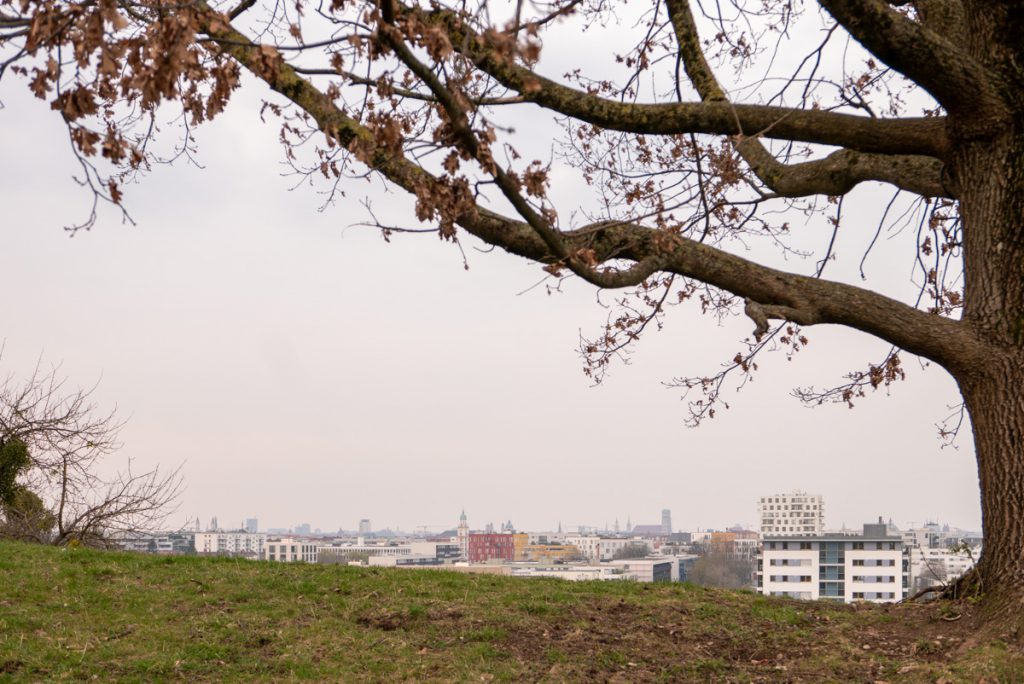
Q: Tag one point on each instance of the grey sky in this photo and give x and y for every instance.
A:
(305, 371)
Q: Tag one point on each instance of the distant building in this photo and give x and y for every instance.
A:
(175, 543)
(873, 566)
(462, 535)
(404, 561)
(519, 542)
(546, 537)
(364, 526)
(252, 525)
(681, 538)
(931, 567)
(303, 530)
(739, 542)
(487, 546)
(550, 553)
(939, 554)
(595, 548)
(649, 569)
(666, 521)
(290, 551)
(796, 513)
(637, 570)
(933, 536)
(230, 543)
(361, 550)
(573, 573)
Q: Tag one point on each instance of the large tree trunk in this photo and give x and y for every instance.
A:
(996, 404)
(987, 168)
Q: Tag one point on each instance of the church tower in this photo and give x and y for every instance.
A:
(463, 536)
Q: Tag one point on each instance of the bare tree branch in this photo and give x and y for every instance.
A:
(64, 494)
(804, 300)
(920, 136)
(956, 80)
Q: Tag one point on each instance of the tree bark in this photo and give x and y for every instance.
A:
(988, 171)
(996, 405)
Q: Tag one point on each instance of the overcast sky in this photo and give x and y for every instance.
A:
(303, 370)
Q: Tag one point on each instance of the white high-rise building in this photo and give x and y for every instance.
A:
(796, 513)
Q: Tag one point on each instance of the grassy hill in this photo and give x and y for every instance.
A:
(77, 614)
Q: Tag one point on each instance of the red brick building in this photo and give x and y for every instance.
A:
(487, 546)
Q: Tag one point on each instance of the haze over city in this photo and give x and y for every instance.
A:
(304, 370)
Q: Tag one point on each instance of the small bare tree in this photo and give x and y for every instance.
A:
(61, 495)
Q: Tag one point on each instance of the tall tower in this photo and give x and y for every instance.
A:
(463, 536)
(666, 521)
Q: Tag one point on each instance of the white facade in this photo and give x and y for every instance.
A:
(796, 513)
(931, 567)
(157, 542)
(290, 551)
(573, 573)
(546, 537)
(233, 543)
(700, 536)
(419, 548)
(596, 549)
(835, 567)
(395, 561)
(665, 569)
(635, 569)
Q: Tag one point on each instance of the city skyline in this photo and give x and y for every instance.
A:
(225, 523)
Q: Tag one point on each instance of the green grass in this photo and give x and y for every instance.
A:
(78, 614)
